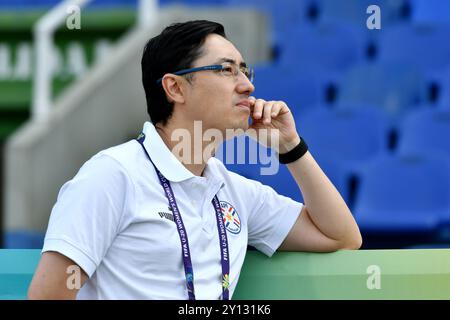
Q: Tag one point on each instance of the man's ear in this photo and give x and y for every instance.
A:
(173, 87)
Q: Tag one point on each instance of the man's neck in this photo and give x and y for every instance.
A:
(196, 160)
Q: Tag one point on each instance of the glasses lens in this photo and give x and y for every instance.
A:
(248, 72)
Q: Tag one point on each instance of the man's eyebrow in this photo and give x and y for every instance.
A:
(242, 64)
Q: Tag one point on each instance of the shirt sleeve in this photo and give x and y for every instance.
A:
(271, 218)
(88, 212)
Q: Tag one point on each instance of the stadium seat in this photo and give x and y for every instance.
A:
(393, 87)
(285, 184)
(354, 11)
(443, 85)
(282, 180)
(341, 140)
(347, 136)
(430, 12)
(425, 131)
(423, 46)
(331, 47)
(403, 194)
(283, 14)
(257, 163)
(300, 89)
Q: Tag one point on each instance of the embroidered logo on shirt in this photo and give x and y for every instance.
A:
(168, 216)
(230, 217)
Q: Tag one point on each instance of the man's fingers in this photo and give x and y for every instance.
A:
(276, 109)
(251, 101)
(267, 112)
(258, 108)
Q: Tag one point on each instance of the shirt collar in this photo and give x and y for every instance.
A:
(166, 162)
(162, 157)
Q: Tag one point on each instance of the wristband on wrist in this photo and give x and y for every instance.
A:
(294, 154)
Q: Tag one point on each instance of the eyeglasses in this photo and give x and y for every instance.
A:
(227, 69)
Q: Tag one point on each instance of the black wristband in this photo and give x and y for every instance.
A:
(294, 154)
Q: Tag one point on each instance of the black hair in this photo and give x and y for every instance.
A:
(176, 48)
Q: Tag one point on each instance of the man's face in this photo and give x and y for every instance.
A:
(217, 98)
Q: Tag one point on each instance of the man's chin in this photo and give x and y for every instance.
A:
(244, 125)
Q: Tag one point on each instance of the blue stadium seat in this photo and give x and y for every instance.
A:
(300, 89)
(283, 14)
(354, 11)
(282, 180)
(423, 46)
(347, 136)
(331, 47)
(404, 195)
(430, 12)
(425, 131)
(284, 183)
(341, 140)
(443, 83)
(393, 87)
(263, 167)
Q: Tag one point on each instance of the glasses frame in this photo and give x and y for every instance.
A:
(216, 67)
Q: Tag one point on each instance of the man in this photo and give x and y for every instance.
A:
(141, 221)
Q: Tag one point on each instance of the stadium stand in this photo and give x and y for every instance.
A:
(300, 88)
(430, 12)
(344, 12)
(443, 89)
(284, 14)
(402, 199)
(421, 45)
(341, 140)
(330, 47)
(393, 87)
(425, 131)
(350, 136)
(373, 105)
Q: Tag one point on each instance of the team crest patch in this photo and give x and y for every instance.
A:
(231, 218)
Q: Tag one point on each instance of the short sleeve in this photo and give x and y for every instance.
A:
(88, 212)
(271, 218)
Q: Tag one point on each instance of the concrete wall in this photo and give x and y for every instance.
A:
(105, 108)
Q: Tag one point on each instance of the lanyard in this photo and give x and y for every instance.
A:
(188, 269)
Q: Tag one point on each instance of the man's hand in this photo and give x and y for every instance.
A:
(325, 223)
(277, 119)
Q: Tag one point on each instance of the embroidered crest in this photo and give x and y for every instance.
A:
(231, 218)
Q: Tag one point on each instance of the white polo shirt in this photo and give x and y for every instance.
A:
(113, 220)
